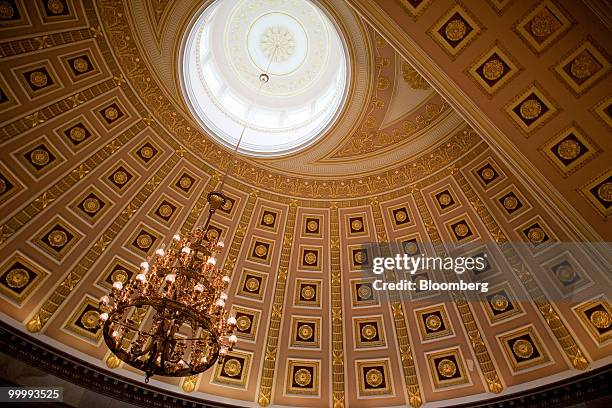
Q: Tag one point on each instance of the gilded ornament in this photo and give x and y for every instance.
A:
(568, 149)
(80, 65)
(185, 182)
(368, 331)
(261, 250)
(111, 113)
(3, 186)
(604, 192)
(268, 219)
(455, 30)
(312, 225)
(359, 257)
(536, 235)
(77, 134)
(6, 10)
(302, 377)
(277, 42)
(522, 348)
(144, 241)
(243, 323)
(308, 292)
(120, 177)
(487, 174)
(510, 203)
(356, 225)
(57, 238)
(461, 230)
(433, 322)
(401, 216)
(91, 205)
(541, 25)
(165, 210)
(374, 377)
(310, 258)
(305, 332)
(380, 42)
(90, 319)
(583, 66)
(146, 152)
(447, 368)
(600, 319)
(40, 157)
(413, 78)
(411, 248)
(113, 361)
(252, 284)
(55, 6)
(17, 278)
(190, 383)
(530, 109)
(39, 79)
(499, 302)
(493, 69)
(232, 367)
(445, 199)
(383, 83)
(566, 273)
(212, 234)
(120, 275)
(364, 292)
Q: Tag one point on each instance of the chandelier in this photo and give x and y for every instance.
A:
(189, 329)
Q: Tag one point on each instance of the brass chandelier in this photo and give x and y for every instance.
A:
(189, 329)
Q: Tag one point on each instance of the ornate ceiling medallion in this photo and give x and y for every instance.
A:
(302, 90)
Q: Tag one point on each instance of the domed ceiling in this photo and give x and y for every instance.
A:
(280, 70)
(106, 154)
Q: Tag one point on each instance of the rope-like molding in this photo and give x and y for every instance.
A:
(337, 339)
(467, 318)
(415, 398)
(271, 349)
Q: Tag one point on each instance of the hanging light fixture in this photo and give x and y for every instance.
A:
(189, 329)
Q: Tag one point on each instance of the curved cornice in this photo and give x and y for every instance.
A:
(590, 386)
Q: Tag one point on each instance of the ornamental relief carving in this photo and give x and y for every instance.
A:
(119, 35)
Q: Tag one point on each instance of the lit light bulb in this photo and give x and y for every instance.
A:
(186, 250)
(223, 296)
(231, 321)
(220, 244)
(204, 360)
(226, 279)
(141, 277)
(232, 339)
(198, 288)
(115, 334)
(223, 351)
(220, 303)
(103, 317)
(160, 252)
(118, 285)
(211, 261)
(176, 237)
(144, 265)
(104, 300)
(170, 278)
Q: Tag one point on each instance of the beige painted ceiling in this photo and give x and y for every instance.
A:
(101, 162)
